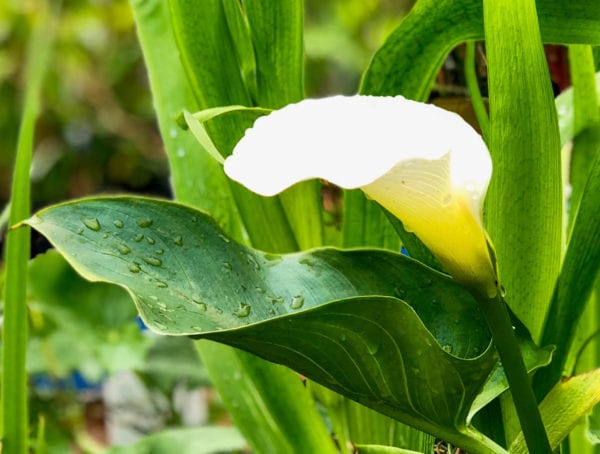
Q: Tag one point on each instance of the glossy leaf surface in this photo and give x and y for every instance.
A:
(363, 322)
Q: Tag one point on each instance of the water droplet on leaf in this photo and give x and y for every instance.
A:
(252, 261)
(372, 346)
(297, 302)
(139, 237)
(145, 222)
(123, 249)
(259, 290)
(307, 261)
(242, 311)
(92, 224)
(153, 261)
(118, 223)
(275, 299)
(134, 268)
(80, 231)
(161, 284)
(178, 240)
(160, 251)
(150, 240)
(228, 266)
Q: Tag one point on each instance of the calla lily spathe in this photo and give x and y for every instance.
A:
(424, 164)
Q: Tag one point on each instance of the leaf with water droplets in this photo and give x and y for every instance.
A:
(145, 222)
(92, 224)
(332, 315)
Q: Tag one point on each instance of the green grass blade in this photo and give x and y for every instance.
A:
(524, 202)
(586, 111)
(578, 273)
(196, 176)
(15, 326)
(474, 92)
(276, 30)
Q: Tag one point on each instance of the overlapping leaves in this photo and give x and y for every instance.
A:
(376, 326)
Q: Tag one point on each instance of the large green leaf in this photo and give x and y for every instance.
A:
(524, 202)
(369, 324)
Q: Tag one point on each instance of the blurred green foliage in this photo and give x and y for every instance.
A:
(97, 131)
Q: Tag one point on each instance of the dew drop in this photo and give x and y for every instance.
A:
(160, 251)
(150, 240)
(161, 284)
(228, 266)
(178, 240)
(105, 235)
(123, 249)
(173, 133)
(307, 261)
(80, 231)
(134, 268)
(92, 224)
(118, 223)
(297, 302)
(181, 153)
(447, 348)
(201, 306)
(145, 222)
(139, 237)
(242, 311)
(194, 219)
(259, 290)
(154, 297)
(252, 261)
(224, 238)
(153, 261)
(275, 299)
(372, 347)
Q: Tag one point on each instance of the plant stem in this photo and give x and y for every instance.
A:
(14, 331)
(505, 340)
(473, 87)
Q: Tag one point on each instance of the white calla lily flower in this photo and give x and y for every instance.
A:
(424, 164)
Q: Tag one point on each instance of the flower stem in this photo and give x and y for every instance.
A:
(498, 318)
